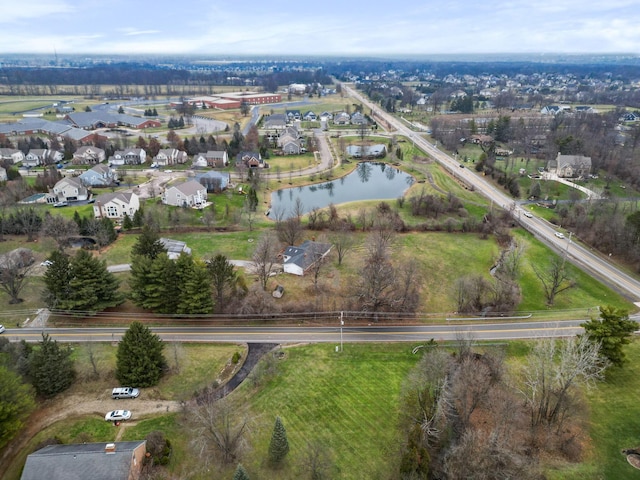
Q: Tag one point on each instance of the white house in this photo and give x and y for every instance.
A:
(69, 189)
(213, 158)
(88, 155)
(132, 156)
(299, 259)
(12, 155)
(100, 175)
(187, 194)
(116, 205)
(170, 156)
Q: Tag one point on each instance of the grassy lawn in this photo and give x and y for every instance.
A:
(348, 402)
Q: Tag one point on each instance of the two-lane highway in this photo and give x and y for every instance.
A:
(305, 334)
(588, 261)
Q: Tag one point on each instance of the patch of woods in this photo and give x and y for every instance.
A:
(469, 414)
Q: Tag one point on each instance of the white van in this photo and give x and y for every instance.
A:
(125, 392)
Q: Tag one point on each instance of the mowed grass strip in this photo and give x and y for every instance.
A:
(348, 402)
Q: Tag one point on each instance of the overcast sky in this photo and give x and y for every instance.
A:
(372, 27)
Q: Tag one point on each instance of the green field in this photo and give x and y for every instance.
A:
(348, 403)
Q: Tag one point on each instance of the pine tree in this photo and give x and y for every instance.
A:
(139, 360)
(279, 446)
(241, 473)
(127, 223)
(194, 287)
(91, 286)
(612, 331)
(56, 279)
(50, 368)
(16, 403)
(148, 243)
(161, 291)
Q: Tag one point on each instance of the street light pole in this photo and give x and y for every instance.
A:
(341, 325)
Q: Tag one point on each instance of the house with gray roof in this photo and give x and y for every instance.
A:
(42, 156)
(88, 155)
(213, 159)
(11, 155)
(95, 461)
(275, 121)
(170, 156)
(188, 194)
(131, 156)
(297, 260)
(116, 205)
(69, 189)
(570, 166)
(174, 248)
(100, 175)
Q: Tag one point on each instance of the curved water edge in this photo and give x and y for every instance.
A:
(369, 181)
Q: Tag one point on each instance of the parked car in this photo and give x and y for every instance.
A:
(125, 392)
(559, 235)
(46, 263)
(2, 329)
(60, 204)
(117, 416)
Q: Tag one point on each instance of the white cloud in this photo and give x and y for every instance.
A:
(30, 9)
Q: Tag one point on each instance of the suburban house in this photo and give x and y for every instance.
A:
(359, 119)
(116, 205)
(342, 118)
(249, 160)
(170, 156)
(88, 155)
(132, 156)
(289, 146)
(98, 461)
(368, 151)
(174, 248)
(297, 260)
(213, 159)
(188, 194)
(100, 175)
(309, 116)
(292, 115)
(553, 109)
(570, 166)
(3, 174)
(214, 182)
(12, 155)
(275, 121)
(627, 117)
(41, 156)
(69, 189)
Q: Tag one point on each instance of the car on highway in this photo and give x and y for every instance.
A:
(117, 416)
(2, 329)
(528, 214)
(559, 234)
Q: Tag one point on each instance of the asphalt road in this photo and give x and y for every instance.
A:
(580, 256)
(305, 334)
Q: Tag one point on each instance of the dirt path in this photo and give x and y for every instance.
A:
(79, 405)
(70, 406)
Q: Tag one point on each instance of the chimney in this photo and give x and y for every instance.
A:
(110, 448)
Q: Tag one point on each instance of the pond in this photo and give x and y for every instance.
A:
(369, 181)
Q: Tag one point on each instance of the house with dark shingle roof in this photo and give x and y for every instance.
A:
(95, 461)
(570, 166)
(100, 175)
(116, 205)
(187, 194)
(298, 260)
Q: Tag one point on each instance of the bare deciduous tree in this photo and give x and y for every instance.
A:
(553, 369)
(217, 433)
(15, 269)
(265, 258)
(555, 279)
(59, 228)
(343, 241)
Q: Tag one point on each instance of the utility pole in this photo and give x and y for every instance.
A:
(341, 325)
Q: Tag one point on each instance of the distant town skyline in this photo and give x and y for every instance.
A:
(404, 27)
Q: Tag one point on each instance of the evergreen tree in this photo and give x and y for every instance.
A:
(56, 279)
(162, 290)
(91, 286)
(16, 403)
(613, 331)
(279, 446)
(241, 473)
(223, 277)
(148, 244)
(127, 223)
(194, 287)
(50, 368)
(138, 218)
(139, 279)
(139, 360)
(414, 463)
